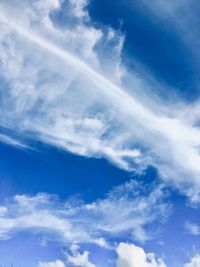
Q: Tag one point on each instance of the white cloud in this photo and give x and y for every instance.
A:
(11, 141)
(195, 261)
(193, 228)
(125, 211)
(57, 263)
(75, 259)
(130, 255)
(78, 259)
(58, 87)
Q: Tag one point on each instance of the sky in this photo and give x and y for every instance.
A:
(99, 133)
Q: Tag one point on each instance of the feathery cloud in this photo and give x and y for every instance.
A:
(125, 211)
(56, 87)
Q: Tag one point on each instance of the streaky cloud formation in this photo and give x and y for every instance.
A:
(125, 211)
(70, 82)
(45, 91)
(12, 141)
(182, 16)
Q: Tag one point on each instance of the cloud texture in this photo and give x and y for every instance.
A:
(60, 86)
(130, 255)
(195, 261)
(125, 211)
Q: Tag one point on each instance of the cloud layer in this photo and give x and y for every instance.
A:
(63, 82)
(125, 211)
(62, 93)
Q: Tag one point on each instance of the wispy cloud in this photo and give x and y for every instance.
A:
(56, 87)
(182, 19)
(193, 228)
(125, 211)
(11, 141)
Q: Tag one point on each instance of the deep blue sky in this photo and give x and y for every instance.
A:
(57, 172)
(148, 39)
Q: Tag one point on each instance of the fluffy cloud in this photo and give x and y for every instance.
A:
(60, 84)
(57, 263)
(195, 262)
(125, 211)
(78, 259)
(130, 255)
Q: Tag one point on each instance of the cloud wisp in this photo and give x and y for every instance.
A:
(126, 211)
(192, 228)
(51, 94)
(12, 141)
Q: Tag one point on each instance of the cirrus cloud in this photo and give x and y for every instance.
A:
(125, 211)
(59, 85)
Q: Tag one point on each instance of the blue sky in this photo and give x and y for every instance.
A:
(99, 133)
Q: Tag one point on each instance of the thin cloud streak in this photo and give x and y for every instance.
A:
(11, 141)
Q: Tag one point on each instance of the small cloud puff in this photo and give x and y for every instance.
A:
(79, 259)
